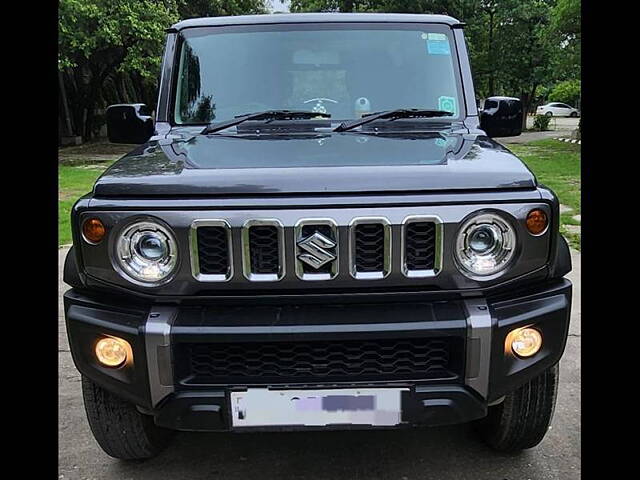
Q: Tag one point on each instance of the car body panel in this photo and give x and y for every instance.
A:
(314, 163)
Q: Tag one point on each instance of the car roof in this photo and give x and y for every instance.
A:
(313, 18)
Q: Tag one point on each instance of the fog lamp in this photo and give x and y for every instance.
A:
(113, 351)
(524, 342)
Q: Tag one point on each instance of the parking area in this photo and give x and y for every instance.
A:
(560, 124)
(437, 453)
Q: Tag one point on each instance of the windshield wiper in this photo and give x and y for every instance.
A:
(266, 115)
(391, 115)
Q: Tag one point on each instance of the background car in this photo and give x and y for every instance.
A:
(557, 109)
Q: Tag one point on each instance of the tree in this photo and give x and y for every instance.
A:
(566, 92)
(564, 35)
(219, 8)
(98, 38)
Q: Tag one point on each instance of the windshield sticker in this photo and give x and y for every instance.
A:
(448, 104)
(438, 44)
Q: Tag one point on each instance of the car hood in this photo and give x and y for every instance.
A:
(349, 162)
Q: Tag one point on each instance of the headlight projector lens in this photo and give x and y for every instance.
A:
(147, 252)
(485, 245)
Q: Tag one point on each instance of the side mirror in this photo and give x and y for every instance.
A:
(129, 123)
(501, 117)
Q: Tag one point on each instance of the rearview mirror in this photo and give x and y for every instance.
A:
(501, 117)
(129, 123)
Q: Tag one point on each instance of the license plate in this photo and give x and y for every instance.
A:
(262, 407)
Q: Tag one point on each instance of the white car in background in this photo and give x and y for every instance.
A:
(557, 110)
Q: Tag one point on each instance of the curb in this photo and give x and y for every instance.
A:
(568, 140)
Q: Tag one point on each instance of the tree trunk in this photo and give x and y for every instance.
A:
(65, 106)
(492, 70)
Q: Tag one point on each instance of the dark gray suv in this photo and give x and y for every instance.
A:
(317, 231)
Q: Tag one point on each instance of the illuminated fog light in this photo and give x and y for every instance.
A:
(525, 342)
(113, 351)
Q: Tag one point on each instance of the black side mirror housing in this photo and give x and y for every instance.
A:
(501, 117)
(129, 123)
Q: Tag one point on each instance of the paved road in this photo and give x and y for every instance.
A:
(560, 127)
(438, 453)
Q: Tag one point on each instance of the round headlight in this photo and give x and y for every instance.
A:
(485, 245)
(147, 252)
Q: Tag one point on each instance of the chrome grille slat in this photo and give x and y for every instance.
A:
(263, 258)
(369, 248)
(211, 252)
(421, 246)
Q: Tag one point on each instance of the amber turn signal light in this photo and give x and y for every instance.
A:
(93, 230)
(537, 221)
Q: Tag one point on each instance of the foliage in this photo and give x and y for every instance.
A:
(566, 92)
(110, 51)
(541, 122)
(564, 37)
(118, 34)
(99, 38)
(219, 8)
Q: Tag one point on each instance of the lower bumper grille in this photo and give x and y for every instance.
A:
(320, 361)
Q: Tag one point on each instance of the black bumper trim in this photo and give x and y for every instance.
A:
(421, 406)
(547, 306)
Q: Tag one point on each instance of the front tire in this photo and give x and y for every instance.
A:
(119, 428)
(521, 421)
(549, 114)
(573, 114)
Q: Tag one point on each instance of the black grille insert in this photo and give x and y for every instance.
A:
(318, 361)
(263, 249)
(420, 245)
(369, 247)
(213, 250)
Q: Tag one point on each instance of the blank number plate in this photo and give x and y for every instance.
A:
(261, 407)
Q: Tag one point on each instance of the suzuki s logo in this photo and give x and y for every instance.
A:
(318, 250)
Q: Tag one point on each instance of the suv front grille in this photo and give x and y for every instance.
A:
(314, 249)
(320, 361)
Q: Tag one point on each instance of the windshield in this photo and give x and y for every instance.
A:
(345, 70)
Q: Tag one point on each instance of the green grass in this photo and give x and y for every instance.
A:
(74, 182)
(556, 165)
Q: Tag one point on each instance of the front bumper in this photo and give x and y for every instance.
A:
(159, 383)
